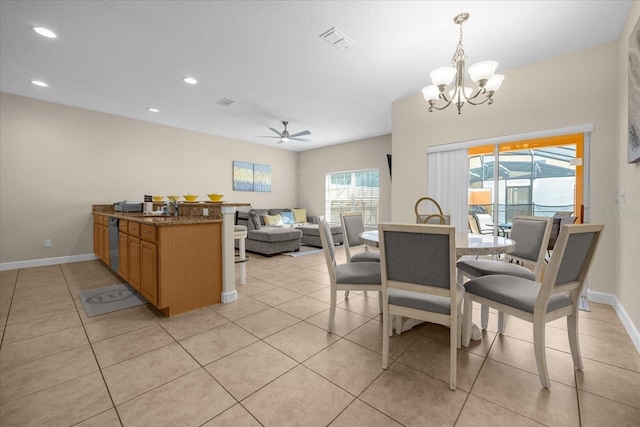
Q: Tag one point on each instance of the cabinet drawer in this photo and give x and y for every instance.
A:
(123, 226)
(134, 229)
(148, 232)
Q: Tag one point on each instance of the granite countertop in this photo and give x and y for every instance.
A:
(160, 219)
(191, 213)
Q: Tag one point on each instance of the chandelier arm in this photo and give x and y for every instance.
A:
(433, 107)
(480, 103)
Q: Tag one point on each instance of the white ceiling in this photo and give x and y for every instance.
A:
(121, 57)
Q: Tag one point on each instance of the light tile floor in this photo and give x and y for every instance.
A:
(267, 360)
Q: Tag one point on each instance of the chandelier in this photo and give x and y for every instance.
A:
(482, 73)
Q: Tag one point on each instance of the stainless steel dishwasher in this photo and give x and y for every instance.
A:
(113, 244)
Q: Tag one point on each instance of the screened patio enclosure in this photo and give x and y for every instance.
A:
(538, 182)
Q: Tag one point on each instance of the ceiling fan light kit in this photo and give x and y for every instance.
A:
(286, 137)
(482, 73)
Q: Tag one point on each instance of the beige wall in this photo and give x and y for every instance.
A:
(573, 89)
(56, 161)
(628, 248)
(363, 154)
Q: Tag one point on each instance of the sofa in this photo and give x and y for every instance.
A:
(273, 231)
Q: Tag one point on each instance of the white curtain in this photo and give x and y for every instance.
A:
(448, 183)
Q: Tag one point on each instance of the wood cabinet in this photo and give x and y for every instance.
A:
(149, 271)
(101, 237)
(177, 267)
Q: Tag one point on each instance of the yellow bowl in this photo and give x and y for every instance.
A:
(158, 198)
(215, 197)
(173, 197)
(190, 197)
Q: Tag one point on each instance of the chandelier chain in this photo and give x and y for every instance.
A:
(459, 53)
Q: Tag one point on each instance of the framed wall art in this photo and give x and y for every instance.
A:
(242, 176)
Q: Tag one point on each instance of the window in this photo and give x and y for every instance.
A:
(353, 191)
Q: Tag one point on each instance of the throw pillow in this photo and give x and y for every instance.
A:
(287, 218)
(299, 215)
(272, 220)
(253, 217)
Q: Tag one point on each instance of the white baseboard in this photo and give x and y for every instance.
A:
(45, 261)
(228, 297)
(610, 299)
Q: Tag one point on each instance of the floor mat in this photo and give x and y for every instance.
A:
(109, 298)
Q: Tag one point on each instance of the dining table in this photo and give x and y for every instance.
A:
(467, 244)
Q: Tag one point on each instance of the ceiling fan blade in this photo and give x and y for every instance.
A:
(280, 142)
(300, 139)
(304, 132)
(276, 132)
(267, 136)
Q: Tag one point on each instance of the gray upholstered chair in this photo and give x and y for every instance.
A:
(557, 296)
(531, 235)
(361, 276)
(352, 226)
(419, 281)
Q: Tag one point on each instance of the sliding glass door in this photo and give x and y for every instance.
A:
(538, 177)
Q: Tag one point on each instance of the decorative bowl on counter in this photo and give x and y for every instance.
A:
(190, 197)
(215, 197)
(158, 198)
(173, 197)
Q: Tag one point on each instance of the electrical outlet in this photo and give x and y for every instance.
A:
(47, 243)
(205, 211)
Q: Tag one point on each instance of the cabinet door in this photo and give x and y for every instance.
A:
(123, 253)
(97, 236)
(105, 245)
(134, 263)
(149, 271)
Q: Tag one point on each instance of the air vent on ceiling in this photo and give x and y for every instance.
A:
(225, 102)
(337, 39)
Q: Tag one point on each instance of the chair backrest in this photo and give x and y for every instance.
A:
(531, 234)
(420, 258)
(328, 247)
(559, 219)
(483, 221)
(570, 262)
(352, 226)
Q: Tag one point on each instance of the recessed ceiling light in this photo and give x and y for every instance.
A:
(39, 83)
(45, 32)
(153, 110)
(190, 80)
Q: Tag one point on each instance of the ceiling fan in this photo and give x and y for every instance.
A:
(285, 136)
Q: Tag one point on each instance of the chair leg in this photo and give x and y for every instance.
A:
(453, 356)
(541, 358)
(574, 340)
(484, 316)
(380, 300)
(502, 322)
(386, 331)
(466, 321)
(332, 309)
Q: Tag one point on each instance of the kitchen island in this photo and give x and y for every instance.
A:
(175, 262)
